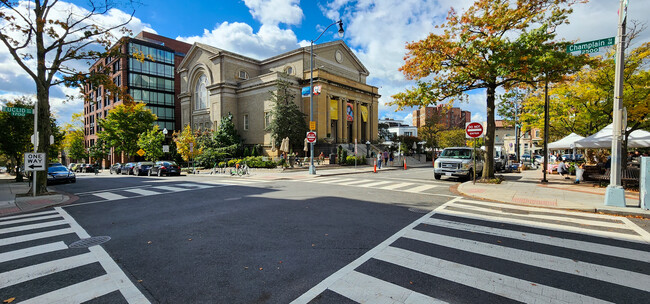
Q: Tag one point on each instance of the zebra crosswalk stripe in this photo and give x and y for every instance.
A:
(18, 276)
(34, 236)
(513, 288)
(29, 219)
(77, 293)
(25, 215)
(367, 289)
(109, 196)
(420, 188)
(141, 192)
(395, 186)
(31, 251)
(32, 226)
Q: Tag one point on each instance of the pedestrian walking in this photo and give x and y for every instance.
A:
(385, 157)
(379, 160)
(390, 157)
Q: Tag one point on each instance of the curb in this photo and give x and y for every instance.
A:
(454, 189)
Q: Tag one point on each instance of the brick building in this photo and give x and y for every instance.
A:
(452, 118)
(153, 81)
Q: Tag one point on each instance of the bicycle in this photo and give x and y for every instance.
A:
(218, 169)
(240, 170)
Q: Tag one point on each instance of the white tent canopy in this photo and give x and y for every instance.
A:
(603, 139)
(567, 142)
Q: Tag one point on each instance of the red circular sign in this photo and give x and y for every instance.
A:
(474, 129)
(311, 137)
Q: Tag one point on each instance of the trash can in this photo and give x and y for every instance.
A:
(332, 158)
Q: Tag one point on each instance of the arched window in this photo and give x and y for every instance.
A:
(201, 93)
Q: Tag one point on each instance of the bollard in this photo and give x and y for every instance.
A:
(644, 184)
(375, 166)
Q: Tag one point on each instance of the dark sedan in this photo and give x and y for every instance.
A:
(127, 169)
(60, 174)
(116, 168)
(161, 168)
(142, 168)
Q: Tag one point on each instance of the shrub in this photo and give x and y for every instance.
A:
(361, 160)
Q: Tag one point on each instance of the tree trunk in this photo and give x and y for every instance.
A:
(488, 169)
(42, 101)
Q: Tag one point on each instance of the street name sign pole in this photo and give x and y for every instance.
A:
(473, 130)
(615, 194)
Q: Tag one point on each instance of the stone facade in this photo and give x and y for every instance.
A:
(241, 86)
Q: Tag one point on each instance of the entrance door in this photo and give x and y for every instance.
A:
(350, 138)
(363, 132)
(334, 130)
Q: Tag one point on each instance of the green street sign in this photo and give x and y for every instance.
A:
(590, 46)
(17, 111)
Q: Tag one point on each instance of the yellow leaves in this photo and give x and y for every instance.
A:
(183, 141)
(9, 300)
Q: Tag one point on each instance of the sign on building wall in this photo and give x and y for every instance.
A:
(305, 92)
(364, 113)
(350, 112)
(334, 109)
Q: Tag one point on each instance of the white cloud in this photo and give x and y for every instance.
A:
(239, 38)
(478, 117)
(408, 119)
(14, 81)
(273, 12)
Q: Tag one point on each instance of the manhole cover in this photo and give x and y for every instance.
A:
(419, 210)
(89, 242)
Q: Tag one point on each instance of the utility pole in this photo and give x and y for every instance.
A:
(615, 194)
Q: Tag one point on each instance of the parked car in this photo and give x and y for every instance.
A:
(458, 162)
(142, 168)
(570, 158)
(116, 168)
(71, 166)
(165, 167)
(88, 168)
(60, 174)
(127, 169)
(3, 169)
(76, 167)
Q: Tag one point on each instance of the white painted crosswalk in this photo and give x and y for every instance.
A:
(35, 247)
(391, 185)
(472, 251)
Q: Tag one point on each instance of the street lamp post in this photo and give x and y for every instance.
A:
(367, 149)
(312, 169)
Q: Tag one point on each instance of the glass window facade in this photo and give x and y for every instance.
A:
(152, 81)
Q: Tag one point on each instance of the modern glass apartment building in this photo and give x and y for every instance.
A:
(152, 80)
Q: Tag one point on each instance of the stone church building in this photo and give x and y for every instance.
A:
(216, 82)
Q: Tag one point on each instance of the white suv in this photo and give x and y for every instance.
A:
(458, 162)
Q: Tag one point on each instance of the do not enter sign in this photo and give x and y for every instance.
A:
(311, 137)
(473, 130)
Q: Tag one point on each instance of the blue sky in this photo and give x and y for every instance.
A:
(376, 30)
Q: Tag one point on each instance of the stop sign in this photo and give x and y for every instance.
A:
(311, 137)
(474, 129)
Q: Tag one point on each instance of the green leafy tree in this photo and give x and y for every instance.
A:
(286, 118)
(99, 150)
(123, 124)
(491, 45)
(452, 138)
(183, 141)
(223, 143)
(46, 45)
(151, 142)
(17, 131)
(73, 140)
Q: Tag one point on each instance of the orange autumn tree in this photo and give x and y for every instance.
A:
(491, 45)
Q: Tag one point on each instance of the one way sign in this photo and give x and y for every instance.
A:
(34, 161)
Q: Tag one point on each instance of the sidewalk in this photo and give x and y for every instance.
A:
(12, 201)
(526, 189)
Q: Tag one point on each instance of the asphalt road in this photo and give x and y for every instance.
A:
(349, 238)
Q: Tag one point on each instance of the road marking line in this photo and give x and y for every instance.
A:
(366, 289)
(113, 189)
(117, 276)
(320, 179)
(327, 282)
(197, 186)
(358, 181)
(374, 184)
(619, 225)
(26, 215)
(31, 251)
(544, 239)
(110, 196)
(644, 234)
(24, 274)
(32, 226)
(142, 192)
(170, 188)
(77, 293)
(538, 209)
(556, 227)
(510, 287)
(341, 181)
(560, 264)
(29, 219)
(34, 236)
(395, 186)
(419, 189)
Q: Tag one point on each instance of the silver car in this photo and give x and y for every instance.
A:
(458, 162)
